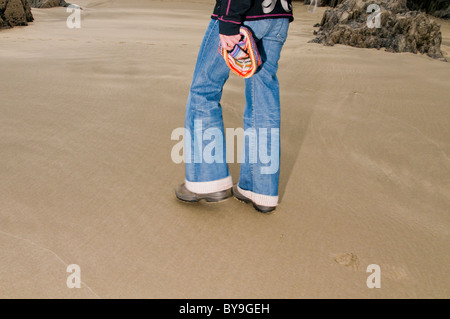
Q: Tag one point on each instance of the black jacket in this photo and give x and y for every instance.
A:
(231, 13)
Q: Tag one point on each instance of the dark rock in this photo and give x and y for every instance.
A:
(437, 8)
(48, 3)
(27, 8)
(400, 30)
(14, 13)
(3, 24)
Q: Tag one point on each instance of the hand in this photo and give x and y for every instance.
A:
(229, 41)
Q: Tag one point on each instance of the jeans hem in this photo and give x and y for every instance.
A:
(259, 199)
(209, 187)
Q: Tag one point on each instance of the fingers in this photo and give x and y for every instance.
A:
(229, 41)
(226, 43)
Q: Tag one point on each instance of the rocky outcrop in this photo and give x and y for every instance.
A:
(399, 30)
(48, 3)
(14, 13)
(437, 8)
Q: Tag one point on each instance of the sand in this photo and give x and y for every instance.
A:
(86, 175)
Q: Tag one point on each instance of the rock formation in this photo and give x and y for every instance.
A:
(14, 13)
(437, 8)
(48, 3)
(399, 29)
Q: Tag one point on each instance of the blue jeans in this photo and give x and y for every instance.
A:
(205, 154)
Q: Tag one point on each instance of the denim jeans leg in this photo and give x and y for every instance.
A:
(205, 153)
(259, 174)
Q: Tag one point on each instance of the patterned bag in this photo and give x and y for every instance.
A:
(244, 59)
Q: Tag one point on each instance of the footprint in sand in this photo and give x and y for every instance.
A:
(347, 260)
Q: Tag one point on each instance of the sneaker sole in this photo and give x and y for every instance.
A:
(206, 199)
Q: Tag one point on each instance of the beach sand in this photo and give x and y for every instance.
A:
(86, 175)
